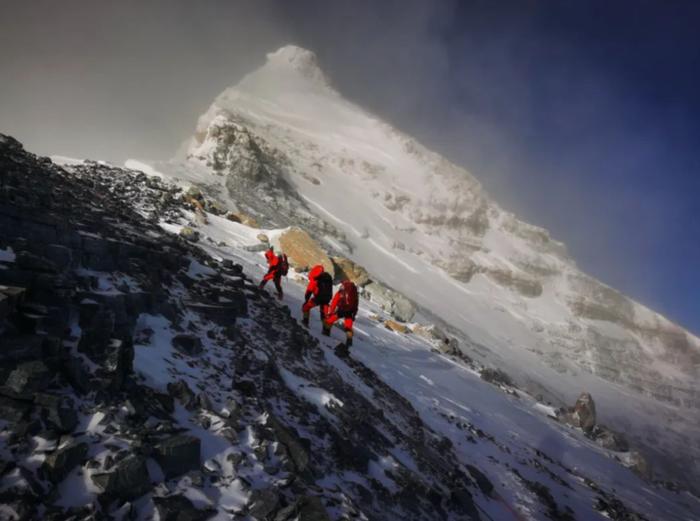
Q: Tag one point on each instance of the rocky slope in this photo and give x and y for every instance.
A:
(286, 148)
(91, 289)
(145, 376)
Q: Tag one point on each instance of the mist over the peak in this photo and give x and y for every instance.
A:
(581, 119)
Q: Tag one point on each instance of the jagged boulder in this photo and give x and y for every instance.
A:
(263, 502)
(145, 401)
(182, 392)
(256, 248)
(495, 376)
(178, 455)
(430, 331)
(581, 415)
(189, 234)
(440, 340)
(214, 207)
(59, 463)
(117, 363)
(194, 192)
(584, 412)
(179, 508)
(128, 480)
(303, 251)
(297, 452)
(610, 439)
(57, 411)
(187, 344)
(240, 217)
(345, 269)
(390, 301)
(245, 387)
(28, 378)
(396, 326)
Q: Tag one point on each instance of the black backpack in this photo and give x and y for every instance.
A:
(324, 282)
(283, 264)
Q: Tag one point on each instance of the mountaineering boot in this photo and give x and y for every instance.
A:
(326, 329)
(305, 319)
(348, 336)
(341, 350)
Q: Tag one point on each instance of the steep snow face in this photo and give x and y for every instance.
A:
(286, 147)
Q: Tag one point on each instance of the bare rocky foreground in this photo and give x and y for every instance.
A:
(89, 283)
(68, 348)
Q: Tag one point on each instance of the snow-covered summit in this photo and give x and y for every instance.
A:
(301, 60)
(290, 77)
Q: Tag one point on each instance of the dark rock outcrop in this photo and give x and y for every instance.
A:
(263, 502)
(581, 415)
(187, 344)
(178, 455)
(496, 376)
(610, 439)
(308, 508)
(128, 480)
(28, 378)
(182, 392)
(297, 451)
(57, 411)
(179, 508)
(58, 464)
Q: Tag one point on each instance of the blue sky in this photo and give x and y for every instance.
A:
(582, 117)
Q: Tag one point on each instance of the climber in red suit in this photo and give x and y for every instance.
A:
(344, 305)
(277, 266)
(318, 293)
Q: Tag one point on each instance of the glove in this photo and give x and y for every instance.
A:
(307, 296)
